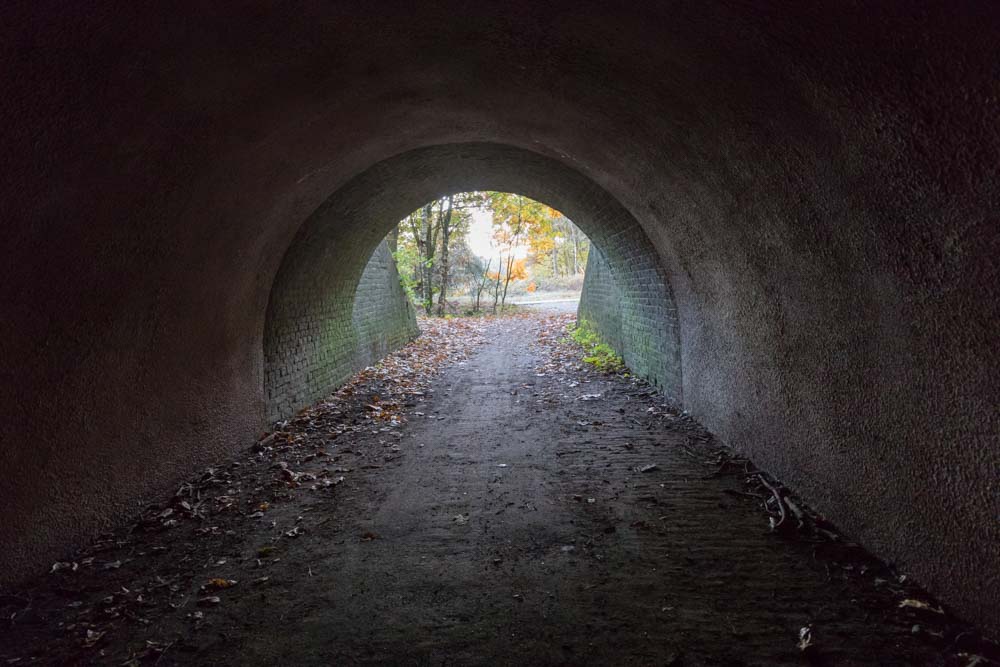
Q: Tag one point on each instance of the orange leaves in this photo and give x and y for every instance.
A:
(218, 584)
(518, 270)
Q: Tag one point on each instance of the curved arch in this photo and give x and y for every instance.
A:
(824, 200)
(309, 342)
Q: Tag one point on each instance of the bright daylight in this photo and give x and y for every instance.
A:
(489, 252)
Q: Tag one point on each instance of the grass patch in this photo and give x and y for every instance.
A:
(596, 352)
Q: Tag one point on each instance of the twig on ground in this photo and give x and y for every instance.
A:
(778, 498)
(800, 516)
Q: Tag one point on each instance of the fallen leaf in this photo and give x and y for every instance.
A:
(805, 638)
(92, 638)
(918, 604)
(218, 584)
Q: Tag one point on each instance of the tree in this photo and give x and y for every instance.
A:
(418, 246)
(481, 284)
(556, 246)
(435, 262)
(513, 216)
(454, 217)
(425, 244)
(430, 248)
(445, 240)
(496, 285)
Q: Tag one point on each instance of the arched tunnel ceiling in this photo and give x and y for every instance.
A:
(313, 291)
(820, 184)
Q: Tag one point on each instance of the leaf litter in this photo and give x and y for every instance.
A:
(154, 567)
(174, 569)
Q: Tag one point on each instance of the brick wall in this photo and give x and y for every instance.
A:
(634, 312)
(601, 301)
(320, 333)
(313, 340)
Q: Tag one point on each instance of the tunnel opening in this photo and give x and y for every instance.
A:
(466, 253)
(334, 277)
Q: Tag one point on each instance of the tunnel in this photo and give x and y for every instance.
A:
(797, 205)
(304, 317)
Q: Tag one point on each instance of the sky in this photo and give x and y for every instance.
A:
(480, 237)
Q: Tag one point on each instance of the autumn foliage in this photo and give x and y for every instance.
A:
(531, 241)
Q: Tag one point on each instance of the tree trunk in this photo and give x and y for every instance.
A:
(418, 267)
(576, 251)
(482, 284)
(506, 282)
(513, 245)
(428, 260)
(445, 238)
(496, 288)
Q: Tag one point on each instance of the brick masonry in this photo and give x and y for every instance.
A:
(312, 339)
(319, 336)
(635, 314)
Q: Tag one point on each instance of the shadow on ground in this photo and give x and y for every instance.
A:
(482, 497)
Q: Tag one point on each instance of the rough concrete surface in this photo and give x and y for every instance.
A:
(816, 185)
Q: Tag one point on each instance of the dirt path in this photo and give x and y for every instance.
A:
(506, 522)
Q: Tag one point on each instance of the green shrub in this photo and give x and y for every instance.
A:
(596, 352)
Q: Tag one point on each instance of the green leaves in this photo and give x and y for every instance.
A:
(598, 353)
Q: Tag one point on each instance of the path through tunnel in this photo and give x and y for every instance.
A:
(481, 495)
(310, 343)
(797, 208)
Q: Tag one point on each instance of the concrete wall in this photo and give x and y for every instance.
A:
(323, 325)
(818, 184)
(640, 328)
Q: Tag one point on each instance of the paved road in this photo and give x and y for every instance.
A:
(550, 306)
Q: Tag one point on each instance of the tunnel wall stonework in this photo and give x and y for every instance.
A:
(640, 327)
(641, 330)
(316, 339)
(309, 342)
(818, 184)
(601, 301)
